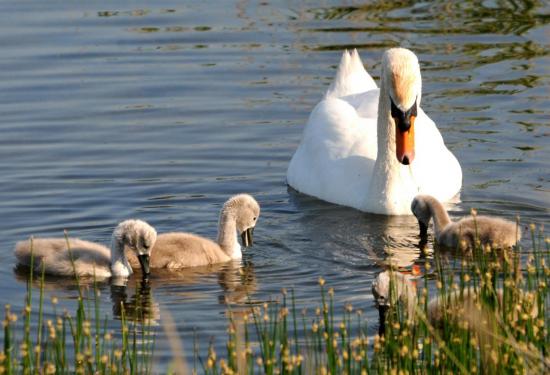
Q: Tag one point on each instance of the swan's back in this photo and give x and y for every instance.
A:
(493, 231)
(89, 257)
(351, 77)
(181, 250)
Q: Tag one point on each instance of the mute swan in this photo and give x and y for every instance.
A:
(374, 149)
(90, 258)
(181, 250)
(496, 232)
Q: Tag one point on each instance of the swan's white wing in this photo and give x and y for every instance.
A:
(335, 157)
(435, 168)
(364, 103)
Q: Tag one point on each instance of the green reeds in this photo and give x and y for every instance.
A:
(487, 313)
(67, 344)
(267, 340)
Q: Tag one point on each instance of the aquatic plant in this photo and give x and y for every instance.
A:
(487, 315)
(78, 343)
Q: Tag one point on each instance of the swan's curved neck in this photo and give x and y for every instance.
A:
(385, 128)
(227, 234)
(387, 169)
(119, 263)
(439, 214)
(392, 183)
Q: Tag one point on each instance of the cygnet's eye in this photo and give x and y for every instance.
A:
(254, 219)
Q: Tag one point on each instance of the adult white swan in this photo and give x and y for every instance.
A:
(374, 149)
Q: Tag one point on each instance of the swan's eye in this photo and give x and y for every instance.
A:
(254, 219)
(395, 111)
(403, 118)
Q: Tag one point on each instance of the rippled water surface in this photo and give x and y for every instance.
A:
(161, 111)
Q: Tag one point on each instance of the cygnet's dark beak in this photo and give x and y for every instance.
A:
(423, 229)
(247, 237)
(144, 262)
(382, 312)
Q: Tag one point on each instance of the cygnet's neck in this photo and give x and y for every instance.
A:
(439, 214)
(119, 263)
(227, 233)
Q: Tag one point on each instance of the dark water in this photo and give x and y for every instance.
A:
(161, 111)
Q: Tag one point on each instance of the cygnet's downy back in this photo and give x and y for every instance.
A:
(492, 231)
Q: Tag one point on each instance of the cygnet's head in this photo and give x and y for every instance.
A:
(381, 289)
(421, 209)
(245, 211)
(401, 77)
(139, 237)
(389, 287)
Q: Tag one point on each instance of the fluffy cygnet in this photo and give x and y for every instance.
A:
(181, 250)
(404, 290)
(89, 258)
(496, 232)
(464, 304)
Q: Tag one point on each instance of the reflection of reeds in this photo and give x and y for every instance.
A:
(72, 344)
(488, 315)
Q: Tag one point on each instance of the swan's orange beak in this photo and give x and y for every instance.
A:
(404, 142)
(404, 132)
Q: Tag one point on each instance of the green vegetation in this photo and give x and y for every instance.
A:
(488, 315)
(68, 344)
